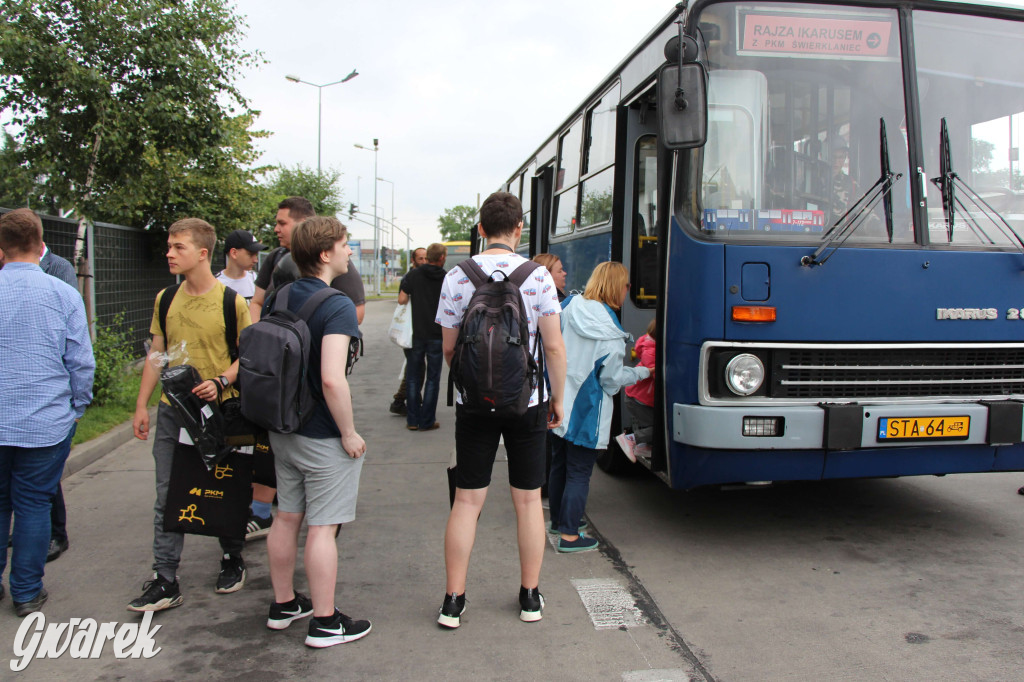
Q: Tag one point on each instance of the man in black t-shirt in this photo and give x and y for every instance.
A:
(423, 286)
(419, 257)
(278, 268)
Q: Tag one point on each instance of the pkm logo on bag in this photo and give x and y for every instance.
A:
(221, 472)
(196, 491)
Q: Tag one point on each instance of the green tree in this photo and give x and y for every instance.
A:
(321, 188)
(457, 223)
(127, 111)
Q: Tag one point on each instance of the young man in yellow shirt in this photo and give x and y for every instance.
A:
(195, 317)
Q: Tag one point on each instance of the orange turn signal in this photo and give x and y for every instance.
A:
(753, 313)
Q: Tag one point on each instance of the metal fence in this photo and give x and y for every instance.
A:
(130, 269)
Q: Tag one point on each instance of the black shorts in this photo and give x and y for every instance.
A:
(476, 442)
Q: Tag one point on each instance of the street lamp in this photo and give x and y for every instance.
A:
(376, 226)
(319, 106)
(393, 216)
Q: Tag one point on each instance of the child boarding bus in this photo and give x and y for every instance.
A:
(823, 205)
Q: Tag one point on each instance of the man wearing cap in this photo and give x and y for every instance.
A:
(241, 254)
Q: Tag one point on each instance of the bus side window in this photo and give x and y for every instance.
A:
(644, 263)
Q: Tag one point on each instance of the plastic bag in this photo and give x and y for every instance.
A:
(202, 420)
(400, 330)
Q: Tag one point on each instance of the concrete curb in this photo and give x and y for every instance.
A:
(85, 454)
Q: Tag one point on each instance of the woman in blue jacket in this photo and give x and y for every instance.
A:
(595, 346)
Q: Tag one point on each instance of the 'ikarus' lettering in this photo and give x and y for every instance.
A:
(966, 313)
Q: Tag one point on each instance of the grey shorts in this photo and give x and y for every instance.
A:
(315, 477)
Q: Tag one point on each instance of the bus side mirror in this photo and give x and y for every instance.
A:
(682, 106)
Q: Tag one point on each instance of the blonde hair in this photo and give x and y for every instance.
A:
(203, 234)
(548, 260)
(606, 282)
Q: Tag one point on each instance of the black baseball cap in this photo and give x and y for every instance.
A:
(242, 239)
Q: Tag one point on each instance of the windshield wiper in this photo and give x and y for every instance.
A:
(857, 214)
(948, 182)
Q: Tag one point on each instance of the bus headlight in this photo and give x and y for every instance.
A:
(744, 374)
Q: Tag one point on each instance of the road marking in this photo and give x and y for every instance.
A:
(664, 675)
(608, 603)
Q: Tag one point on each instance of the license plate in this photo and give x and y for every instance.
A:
(923, 428)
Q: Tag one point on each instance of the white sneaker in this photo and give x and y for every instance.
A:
(627, 442)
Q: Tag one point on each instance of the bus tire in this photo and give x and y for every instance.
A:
(613, 461)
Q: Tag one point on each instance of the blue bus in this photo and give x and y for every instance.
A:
(823, 207)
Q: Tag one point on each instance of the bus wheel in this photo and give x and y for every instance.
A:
(613, 461)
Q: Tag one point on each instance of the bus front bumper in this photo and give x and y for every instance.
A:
(848, 427)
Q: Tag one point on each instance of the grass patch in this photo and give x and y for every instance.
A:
(98, 419)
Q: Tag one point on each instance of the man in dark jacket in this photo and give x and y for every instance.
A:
(423, 286)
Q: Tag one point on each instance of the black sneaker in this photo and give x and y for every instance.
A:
(531, 603)
(257, 527)
(282, 615)
(232, 574)
(450, 615)
(338, 629)
(23, 608)
(157, 594)
(57, 547)
(398, 407)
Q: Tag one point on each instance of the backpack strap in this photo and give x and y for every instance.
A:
(519, 275)
(475, 273)
(230, 322)
(310, 306)
(165, 305)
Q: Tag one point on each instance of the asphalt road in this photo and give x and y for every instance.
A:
(905, 579)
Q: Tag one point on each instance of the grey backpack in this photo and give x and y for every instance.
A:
(273, 363)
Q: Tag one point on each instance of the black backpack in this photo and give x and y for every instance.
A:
(493, 366)
(273, 364)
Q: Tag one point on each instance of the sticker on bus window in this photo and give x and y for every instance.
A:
(764, 220)
(785, 34)
(727, 219)
(790, 220)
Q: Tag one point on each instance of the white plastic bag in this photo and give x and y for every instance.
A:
(400, 330)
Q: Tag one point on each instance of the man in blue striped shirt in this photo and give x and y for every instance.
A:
(46, 383)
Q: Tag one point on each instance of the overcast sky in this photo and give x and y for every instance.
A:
(457, 92)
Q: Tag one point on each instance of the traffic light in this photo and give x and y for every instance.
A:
(352, 210)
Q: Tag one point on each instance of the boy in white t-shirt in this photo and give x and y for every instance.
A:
(242, 251)
(476, 437)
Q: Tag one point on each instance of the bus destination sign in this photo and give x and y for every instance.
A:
(820, 36)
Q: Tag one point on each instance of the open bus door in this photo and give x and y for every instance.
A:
(540, 208)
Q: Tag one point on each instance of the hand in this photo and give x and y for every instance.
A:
(353, 445)
(555, 413)
(140, 424)
(208, 390)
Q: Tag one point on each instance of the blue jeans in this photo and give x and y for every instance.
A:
(28, 481)
(569, 483)
(420, 412)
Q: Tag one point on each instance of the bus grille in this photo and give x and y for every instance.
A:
(859, 373)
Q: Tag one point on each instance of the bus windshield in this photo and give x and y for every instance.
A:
(980, 93)
(795, 96)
